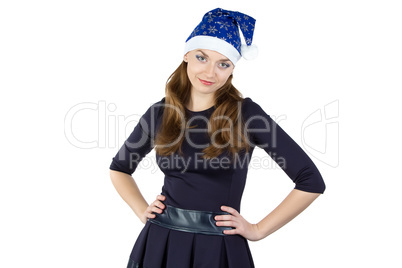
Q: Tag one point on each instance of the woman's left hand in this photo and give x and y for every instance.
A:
(242, 227)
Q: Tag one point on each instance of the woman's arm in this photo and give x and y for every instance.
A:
(309, 184)
(288, 209)
(129, 191)
(127, 159)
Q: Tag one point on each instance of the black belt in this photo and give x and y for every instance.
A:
(194, 221)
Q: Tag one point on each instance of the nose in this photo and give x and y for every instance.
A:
(210, 70)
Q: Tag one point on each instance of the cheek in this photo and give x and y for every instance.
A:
(194, 69)
(223, 77)
(190, 71)
(192, 74)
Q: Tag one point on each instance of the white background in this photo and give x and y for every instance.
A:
(58, 206)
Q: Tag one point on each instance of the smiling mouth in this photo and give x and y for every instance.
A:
(206, 82)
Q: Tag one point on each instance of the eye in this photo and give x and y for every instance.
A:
(200, 58)
(224, 65)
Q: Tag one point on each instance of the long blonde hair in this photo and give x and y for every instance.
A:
(227, 112)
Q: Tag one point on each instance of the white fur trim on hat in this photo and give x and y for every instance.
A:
(213, 43)
(249, 52)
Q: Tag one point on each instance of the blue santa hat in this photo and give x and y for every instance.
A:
(219, 31)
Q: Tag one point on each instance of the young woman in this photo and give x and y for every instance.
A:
(204, 134)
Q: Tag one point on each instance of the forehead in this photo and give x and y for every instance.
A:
(211, 54)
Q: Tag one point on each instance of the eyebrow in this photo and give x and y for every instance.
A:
(203, 53)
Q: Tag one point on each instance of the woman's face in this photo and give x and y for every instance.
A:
(207, 70)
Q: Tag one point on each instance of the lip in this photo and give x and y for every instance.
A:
(206, 82)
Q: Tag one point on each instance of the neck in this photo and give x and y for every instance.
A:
(200, 102)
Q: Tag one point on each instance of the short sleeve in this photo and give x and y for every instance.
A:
(139, 143)
(265, 133)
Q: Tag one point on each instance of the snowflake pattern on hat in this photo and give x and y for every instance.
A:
(225, 24)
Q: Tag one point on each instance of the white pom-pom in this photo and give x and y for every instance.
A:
(249, 52)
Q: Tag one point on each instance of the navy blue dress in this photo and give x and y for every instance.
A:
(194, 183)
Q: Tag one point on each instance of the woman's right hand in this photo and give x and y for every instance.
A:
(156, 206)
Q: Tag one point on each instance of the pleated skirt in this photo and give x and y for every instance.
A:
(160, 247)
